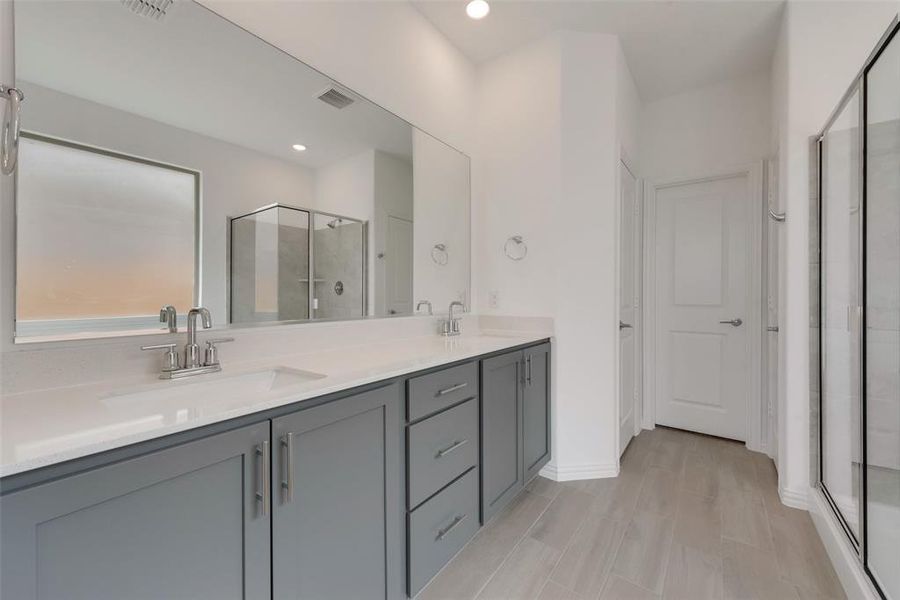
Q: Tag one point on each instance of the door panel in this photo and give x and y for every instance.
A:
(179, 523)
(399, 266)
(335, 536)
(839, 328)
(702, 278)
(501, 423)
(627, 313)
(536, 410)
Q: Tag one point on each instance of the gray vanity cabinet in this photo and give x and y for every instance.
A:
(337, 499)
(515, 423)
(536, 409)
(501, 431)
(184, 522)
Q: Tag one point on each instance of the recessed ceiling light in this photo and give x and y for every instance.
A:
(299, 147)
(478, 9)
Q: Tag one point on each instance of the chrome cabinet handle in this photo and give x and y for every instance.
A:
(262, 490)
(528, 369)
(452, 389)
(287, 465)
(9, 153)
(446, 531)
(451, 448)
(624, 325)
(733, 322)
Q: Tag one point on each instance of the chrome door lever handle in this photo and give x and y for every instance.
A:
(624, 325)
(733, 322)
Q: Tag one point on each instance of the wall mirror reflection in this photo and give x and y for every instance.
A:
(183, 161)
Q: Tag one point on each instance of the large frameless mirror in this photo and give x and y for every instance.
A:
(182, 161)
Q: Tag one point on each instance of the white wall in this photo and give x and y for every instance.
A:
(441, 188)
(822, 47)
(552, 116)
(707, 129)
(235, 180)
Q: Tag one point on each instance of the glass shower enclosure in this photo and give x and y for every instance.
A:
(289, 263)
(856, 315)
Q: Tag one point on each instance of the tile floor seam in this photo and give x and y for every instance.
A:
(511, 551)
(569, 544)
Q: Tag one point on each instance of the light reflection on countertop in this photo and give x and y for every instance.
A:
(41, 428)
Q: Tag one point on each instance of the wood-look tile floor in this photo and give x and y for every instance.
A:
(690, 517)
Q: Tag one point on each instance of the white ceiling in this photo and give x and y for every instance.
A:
(197, 71)
(670, 45)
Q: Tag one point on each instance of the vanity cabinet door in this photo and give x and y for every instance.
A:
(184, 522)
(536, 409)
(337, 505)
(501, 429)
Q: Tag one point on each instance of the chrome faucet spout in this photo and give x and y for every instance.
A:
(168, 316)
(191, 349)
(451, 325)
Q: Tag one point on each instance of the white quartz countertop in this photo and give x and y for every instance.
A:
(41, 428)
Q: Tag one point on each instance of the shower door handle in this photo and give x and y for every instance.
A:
(733, 322)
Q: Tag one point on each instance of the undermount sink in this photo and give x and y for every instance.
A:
(219, 386)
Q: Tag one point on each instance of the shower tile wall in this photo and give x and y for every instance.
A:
(883, 295)
(883, 352)
(338, 256)
(293, 273)
(269, 278)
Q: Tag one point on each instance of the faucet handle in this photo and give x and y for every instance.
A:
(171, 361)
(212, 352)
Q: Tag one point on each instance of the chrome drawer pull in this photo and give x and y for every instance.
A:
(451, 448)
(445, 532)
(262, 493)
(452, 389)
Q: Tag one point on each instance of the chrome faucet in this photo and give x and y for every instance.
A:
(451, 325)
(169, 316)
(425, 303)
(172, 365)
(191, 349)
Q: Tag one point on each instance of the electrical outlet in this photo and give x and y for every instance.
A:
(494, 299)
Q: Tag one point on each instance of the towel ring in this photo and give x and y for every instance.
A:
(439, 254)
(521, 248)
(9, 145)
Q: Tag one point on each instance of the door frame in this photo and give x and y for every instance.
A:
(638, 296)
(757, 418)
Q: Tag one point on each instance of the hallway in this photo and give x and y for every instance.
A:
(689, 517)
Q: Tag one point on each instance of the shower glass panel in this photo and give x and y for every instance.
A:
(270, 266)
(882, 333)
(840, 288)
(339, 267)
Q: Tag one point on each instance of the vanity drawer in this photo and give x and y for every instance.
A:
(435, 391)
(440, 527)
(441, 448)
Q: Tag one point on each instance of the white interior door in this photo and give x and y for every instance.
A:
(703, 233)
(399, 266)
(627, 308)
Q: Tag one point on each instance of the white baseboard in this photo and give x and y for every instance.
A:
(794, 498)
(843, 557)
(576, 472)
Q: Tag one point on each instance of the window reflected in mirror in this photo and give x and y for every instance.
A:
(104, 240)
